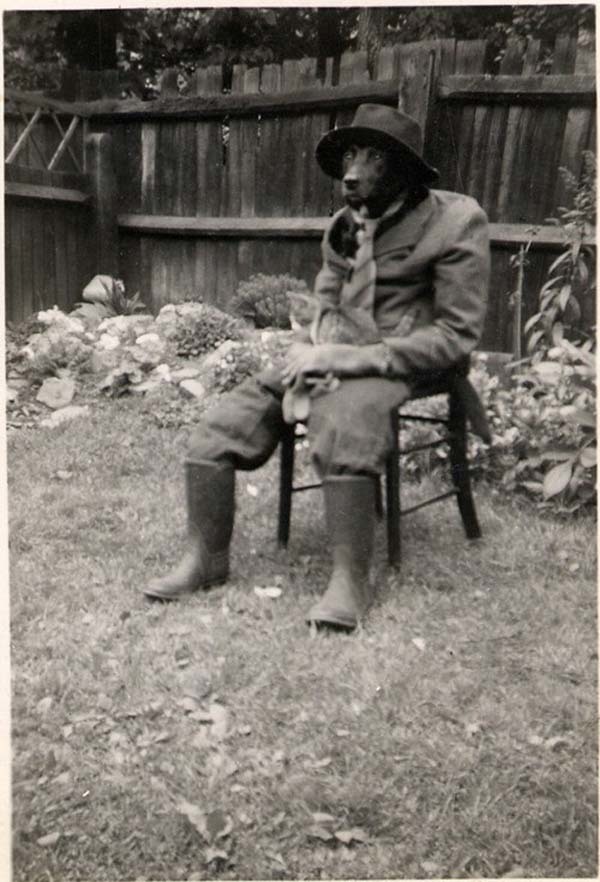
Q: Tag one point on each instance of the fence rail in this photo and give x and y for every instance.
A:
(210, 187)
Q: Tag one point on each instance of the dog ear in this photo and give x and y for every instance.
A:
(342, 237)
(302, 308)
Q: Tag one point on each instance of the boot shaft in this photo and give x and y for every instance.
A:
(350, 514)
(210, 492)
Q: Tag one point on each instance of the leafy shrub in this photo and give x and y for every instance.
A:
(198, 328)
(62, 344)
(572, 274)
(543, 430)
(241, 361)
(262, 299)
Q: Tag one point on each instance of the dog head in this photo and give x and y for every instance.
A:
(373, 177)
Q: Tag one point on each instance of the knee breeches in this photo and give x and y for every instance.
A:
(349, 428)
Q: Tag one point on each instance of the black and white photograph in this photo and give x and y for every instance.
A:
(300, 441)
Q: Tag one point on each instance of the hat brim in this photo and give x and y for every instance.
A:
(333, 144)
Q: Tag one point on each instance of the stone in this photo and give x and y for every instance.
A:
(99, 290)
(193, 389)
(126, 327)
(108, 341)
(56, 393)
(218, 354)
(65, 414)
(186, 373)
(103, 360)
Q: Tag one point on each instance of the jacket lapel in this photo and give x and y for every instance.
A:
(406, 231)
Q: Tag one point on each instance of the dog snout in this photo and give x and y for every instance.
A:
(350, 181)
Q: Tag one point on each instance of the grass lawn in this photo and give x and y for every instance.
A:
(453, 736)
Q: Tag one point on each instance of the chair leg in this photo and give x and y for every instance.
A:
(378, 499)
(286, 479)
(457, 426)
(392, 487)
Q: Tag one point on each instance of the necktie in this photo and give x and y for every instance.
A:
(359, 289)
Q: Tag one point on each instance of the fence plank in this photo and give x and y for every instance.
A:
(470, 58)
(417, 63)
(484, 173)
(517, 121)
(578, 123)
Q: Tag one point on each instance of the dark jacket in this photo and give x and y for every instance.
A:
(433, 267)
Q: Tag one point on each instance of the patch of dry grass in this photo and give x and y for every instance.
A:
(456, 729)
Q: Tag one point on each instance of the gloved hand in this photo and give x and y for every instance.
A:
(340, 359)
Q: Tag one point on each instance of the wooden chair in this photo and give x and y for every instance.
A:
(463, 405)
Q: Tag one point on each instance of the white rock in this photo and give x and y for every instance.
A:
(56, 393)
(65, 414)
(162, 372)
(186, 373)
(108, 341)
(99, 290)
(150, 340)
(193, 388)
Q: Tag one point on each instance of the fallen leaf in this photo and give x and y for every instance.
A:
(49, 839)
(162, 737)
(573, 568)
(221, 764)
(201, 740)
(219, 716)
(271, 591)
(514, 873)
(44, 705)
(556, 743)
(342, 733)
(188, 704)
(67, 731)
(64, 474)
(356, 834)
(320, 764)
(317, 832)
(430, 867)
(252, 490)
(195, 816)
(63, 780)
(472, 729)
(322, 818)
(218, 825)
(276, 858)
(201, 716)
(244, 730)
(215, 854)
(419, 643)
(535, 740)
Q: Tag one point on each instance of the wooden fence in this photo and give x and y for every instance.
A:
(212, 188)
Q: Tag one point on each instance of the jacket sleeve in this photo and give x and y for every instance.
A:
(460, 278)
(330, 278)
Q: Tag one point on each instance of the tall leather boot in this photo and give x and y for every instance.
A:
(350, 516)
(210, 491)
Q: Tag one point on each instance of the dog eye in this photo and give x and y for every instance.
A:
(349, 153)
(377, 154)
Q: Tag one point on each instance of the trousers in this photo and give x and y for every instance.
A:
(349, 429)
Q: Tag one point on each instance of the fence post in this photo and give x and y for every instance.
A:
(105, 231)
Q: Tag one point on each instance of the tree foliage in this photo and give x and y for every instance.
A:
(143, 42)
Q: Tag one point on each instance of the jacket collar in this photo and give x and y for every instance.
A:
(407, 222)
(405, 226)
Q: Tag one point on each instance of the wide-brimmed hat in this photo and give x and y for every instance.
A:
(381, 126)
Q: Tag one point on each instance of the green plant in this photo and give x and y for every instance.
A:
(572, 274)
(262, 299)
(113, 302)
(241, 361)
(198, 328)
